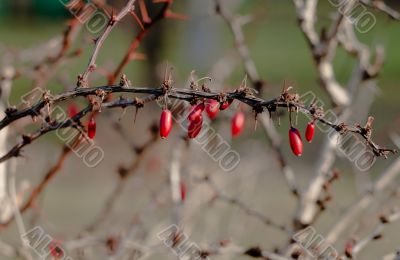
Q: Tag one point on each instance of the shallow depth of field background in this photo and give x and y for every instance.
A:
(277, 46)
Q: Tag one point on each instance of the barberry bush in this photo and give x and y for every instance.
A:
(201, 130)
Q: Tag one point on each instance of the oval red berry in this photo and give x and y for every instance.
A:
(72, 110)
(165, 123)
(92, 127)
(183, 190)
(237, 123)
(56, 250)
(194, 127)
(226, 104)
(310, 130)
(296, 143)
(196, 112)
(212, 108)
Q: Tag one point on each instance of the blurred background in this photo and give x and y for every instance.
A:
(77, 194)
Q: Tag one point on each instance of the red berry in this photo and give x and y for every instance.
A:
(92, 127)
(295, 141)
(72, 110)
(310, 131)
(226, 104)
(237, 123)
(212, 108)
(196, 112)
(55, 250)
(348, 248)
(194, 127)
(182, 187)
(165, 123)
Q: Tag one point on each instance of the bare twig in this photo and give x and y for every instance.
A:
(383, 7)
(129, 7)
(138, 39)
(219, 195)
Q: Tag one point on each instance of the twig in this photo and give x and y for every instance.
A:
(228, 248)
(374, 235)
(235, 24)
(381, 6)
(16, 211)
(83, 79)
(124, 174)
(251, 212)
(138, 39)
(358, 207)
(322, 49)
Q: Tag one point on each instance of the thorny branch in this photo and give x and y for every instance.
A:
(285, 100)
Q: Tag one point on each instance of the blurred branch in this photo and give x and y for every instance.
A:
(228, 248)
(130, 53)
(343, 33)
(386, 179)
(381, 6)
(46, 180)
(235, 24)
(123, 174)
(322, 48)
(219, 195)
(352, 250)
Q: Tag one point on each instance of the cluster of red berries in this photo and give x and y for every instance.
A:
(295, 139)
(195, 118)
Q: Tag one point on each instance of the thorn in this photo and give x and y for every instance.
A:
(177, 16)
(137, 56)
(95, 40)
(165, 73)
(133, 14)
(256, 121)
(143, 10)
(122, 114)
(136, 113)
